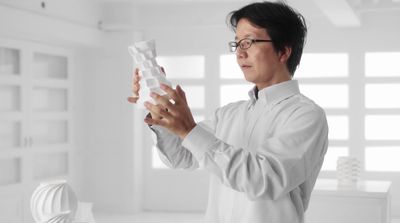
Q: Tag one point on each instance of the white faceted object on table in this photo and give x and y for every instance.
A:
(53, 202)
(144, 56)
(60, 218)
(348, 171)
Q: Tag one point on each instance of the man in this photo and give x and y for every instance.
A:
(263, 154)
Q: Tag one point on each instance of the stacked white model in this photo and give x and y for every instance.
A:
(144, 57)
(53, 202)
(348, 171)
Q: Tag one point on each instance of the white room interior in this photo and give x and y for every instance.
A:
(65, 74)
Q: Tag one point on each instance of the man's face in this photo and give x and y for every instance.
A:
(260, 63)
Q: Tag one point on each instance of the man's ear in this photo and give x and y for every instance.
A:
(285, 54)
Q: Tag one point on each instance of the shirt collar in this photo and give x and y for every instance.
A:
(275, 93)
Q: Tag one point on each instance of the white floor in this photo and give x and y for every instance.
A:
(150, 217)
(158, 217)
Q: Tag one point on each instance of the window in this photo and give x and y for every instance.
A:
(327, 95)
(328, 86)
(177, 69)
(381, 95)
(308, 68)
(382, 158)
(382, 64)
(374, 138)
(382, 127)
(382, 108)
(368, 130)
(338, 127)
(331, 157)
(229, 68)
(232, 93)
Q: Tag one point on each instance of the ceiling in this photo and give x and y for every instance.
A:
(341, 13)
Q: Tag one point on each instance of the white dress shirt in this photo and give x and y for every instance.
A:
(264, 155)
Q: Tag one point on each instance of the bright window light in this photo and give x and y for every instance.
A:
(331, 157)
(382, 95)
(198, 118)
(382, 159)
(382, 64)
(338, 126)
(229, 68)
(323, 65)
(184, 67)
(195, 95)
(327, 95)
(382, 127)
(233, 93)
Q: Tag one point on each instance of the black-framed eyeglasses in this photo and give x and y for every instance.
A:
(245, 43)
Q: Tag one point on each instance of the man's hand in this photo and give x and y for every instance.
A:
(175, 116)
(135, 87)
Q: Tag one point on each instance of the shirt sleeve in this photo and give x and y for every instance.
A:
(280, 163)
(171, 151)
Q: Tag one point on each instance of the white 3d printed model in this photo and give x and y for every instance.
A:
(348, 171)
(53, 202)
(144, 56)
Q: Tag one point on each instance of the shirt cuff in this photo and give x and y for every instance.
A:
(198, 141)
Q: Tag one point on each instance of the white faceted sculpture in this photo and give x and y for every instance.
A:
(348, 171)
(53, 202)
(144, 56)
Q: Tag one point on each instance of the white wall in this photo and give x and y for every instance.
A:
(108, 125)
(76, 25)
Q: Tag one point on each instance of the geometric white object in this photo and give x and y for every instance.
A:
(53, 202)
(144, 56)
(84, 213)
(348, 171)
(331, 156)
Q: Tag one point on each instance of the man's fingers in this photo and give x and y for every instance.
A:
(157, 110)
(135, 83)
(160, 122)
(136, 71)
(164, 101)
(136, 88)
(171, 92)
(163, 70)
(181, 92)
(133, 99)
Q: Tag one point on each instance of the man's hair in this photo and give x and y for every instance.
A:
(285, 26)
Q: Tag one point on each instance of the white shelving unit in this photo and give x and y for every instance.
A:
(367, 202)
(35, 122)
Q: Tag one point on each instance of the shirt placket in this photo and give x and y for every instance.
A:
(254, 115)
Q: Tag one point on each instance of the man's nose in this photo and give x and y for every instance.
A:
(241, 53)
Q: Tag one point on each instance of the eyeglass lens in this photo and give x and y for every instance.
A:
(244, 44)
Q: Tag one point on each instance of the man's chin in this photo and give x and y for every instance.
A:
(249, 78)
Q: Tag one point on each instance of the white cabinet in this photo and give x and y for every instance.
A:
(35, 122)
(367, 202)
